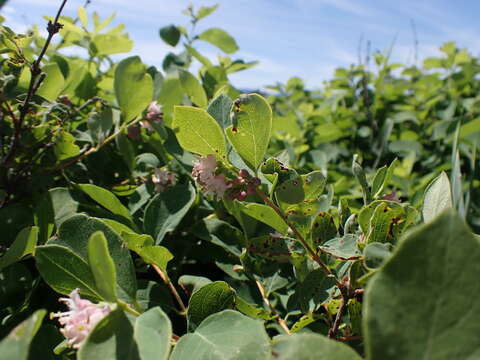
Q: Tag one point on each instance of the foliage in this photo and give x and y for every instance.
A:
(216, 223)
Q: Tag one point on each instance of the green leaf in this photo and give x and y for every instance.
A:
(167, 209)
(375, 254)
(65, 271)
(205, 11)
(220, 38)
(208, 300)
(16, 344)
(126, 149)
(384, 221)
(65, 147)
(313, 184)
(99, 124)
(250, 132)
(323, 229)
(202, 59)
(23, 245)
(151, 293)
(470, 129)
(133, 87)
(427, 311)
(270, 247)
(220, 233)
(82, 15)
(220, 108)
(192, 88)
(151, 254)
(251, 310)
(198, 132)
(344, 248)
(171, 94)
(379, 181)
(102, 266)
(315, 290)
(170, 34)
(112, 339)
(311, 347)
(438, 197)
(108, 44)
(74, 234)
(106, 199)
(53, 84)
(305, 320)
(266, 215)
(227, 335)
(193, 283)
(153, 333)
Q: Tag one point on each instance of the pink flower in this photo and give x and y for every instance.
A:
(81, 318)
(204, 174)
(154, 112)
(216, 186)
(204, 168)
(163, 178)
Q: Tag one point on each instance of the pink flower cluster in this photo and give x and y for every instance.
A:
(81, 318)
(214, 184)
(163, 178)
(204, 174)
(154, 113)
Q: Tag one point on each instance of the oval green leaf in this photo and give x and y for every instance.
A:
(133, 87)
(208, 300)
(198, 132)
(220, 38)
(422, 304)
(227, 335)
(252, 125)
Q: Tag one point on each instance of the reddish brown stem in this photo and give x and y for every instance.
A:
(171, 288)
(267, 302)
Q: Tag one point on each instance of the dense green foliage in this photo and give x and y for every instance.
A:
(209, 222)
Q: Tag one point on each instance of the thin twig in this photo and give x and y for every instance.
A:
(166, 281)
(338, 318)
(267, 302)
(93, 149)
(299, 236)
(35, 82)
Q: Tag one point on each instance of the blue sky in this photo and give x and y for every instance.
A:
(306, 38)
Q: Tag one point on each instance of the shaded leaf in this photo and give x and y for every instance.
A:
(17, 343)
(153, 333)
(102, 266)
(23, 245)
(430, 295)
(311, 347)
(227, 335)
(209, 299)
(112, 338)
(166, 210)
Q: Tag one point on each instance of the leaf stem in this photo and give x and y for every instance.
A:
(173, 291)
(280, 320)
(127, 307)
(299, 236)
(95, 148)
